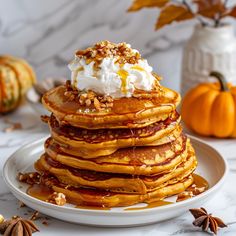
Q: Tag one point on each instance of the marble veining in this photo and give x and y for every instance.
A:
(48, 34)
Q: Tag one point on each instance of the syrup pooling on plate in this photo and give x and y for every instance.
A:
(39, 191)
(199, 186)
(150, 205)
(93, 207)
(116, 138)
(42, 192)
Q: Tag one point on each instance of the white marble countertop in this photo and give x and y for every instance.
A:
(222, 205)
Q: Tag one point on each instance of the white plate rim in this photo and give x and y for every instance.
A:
(24, 195)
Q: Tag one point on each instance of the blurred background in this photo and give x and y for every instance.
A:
(47, 32)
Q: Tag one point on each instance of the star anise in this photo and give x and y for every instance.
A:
(206, 221)
(18, 227)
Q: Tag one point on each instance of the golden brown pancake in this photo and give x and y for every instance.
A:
(102, 198)
(94, 143)
(114, 148)
(88, 153)
(116, 182)
(130, 112)
(137, 160)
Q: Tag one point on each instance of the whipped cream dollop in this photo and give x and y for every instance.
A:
(110, 77)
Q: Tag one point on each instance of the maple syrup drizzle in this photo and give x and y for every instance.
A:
(39, 191)
(200, 181)
(43, 193)
(150, 205)
(75, 76)
(199, 186)
(139, 68)
(93, 207)
(123, 75)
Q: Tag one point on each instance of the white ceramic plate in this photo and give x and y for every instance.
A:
(211, 166)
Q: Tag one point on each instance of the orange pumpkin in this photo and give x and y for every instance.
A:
(16, 77)
(210, 108)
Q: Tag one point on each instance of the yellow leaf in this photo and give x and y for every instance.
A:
(139, 4)
(173, 13)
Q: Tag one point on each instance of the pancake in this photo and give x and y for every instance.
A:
(133, 112)
(135, 161)
(116, 182)
(83, 142)
(95, 197)
(88, 153)
(116, 138)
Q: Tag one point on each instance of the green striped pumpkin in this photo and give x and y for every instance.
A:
(16, 77)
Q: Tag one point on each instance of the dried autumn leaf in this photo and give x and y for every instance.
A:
(173, 13)
(232, 12)
(139, 4)
(206, 4)
(212, 12)
(210, 8)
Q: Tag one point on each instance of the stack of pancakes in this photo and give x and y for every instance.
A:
(133, 152)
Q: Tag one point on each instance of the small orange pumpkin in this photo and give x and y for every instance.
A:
(16, 77)
(210, 108)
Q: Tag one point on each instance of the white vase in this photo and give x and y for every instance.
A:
(208, 49)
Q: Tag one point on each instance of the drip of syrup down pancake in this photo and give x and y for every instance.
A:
(199, 183)
(43, 193)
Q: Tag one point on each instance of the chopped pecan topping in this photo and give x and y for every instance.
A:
(22, 204)
(190, 192)
(88, 98)
(13, 126)
(104, 49)
(44, 118)
(68, 86)
(57, 198)
(35, 216)
(45, 223)
(98, 101)
(29, 178)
